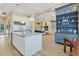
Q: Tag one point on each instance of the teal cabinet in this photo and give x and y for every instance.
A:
(60, 36)
(66, 22)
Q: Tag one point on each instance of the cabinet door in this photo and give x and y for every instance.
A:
(18, 42)
(63, 11)
(74, 8)
(71, 8)
(33, 44)
(57, 12)
(59, 38)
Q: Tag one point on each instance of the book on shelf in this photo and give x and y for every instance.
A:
(58, 30)
(66, 20)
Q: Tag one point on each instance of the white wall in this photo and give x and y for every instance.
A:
(46, 17)
(23, 19)
(30, 21)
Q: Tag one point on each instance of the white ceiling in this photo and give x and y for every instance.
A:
(31, 8)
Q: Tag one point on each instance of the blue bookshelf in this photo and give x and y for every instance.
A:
(66, 22)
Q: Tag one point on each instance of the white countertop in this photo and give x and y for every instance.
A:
(27, 44)
(27, 34)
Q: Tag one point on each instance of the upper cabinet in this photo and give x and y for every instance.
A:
(71, 8)
(60, 11)
(66, 9)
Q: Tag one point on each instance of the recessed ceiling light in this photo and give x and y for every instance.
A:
(17, 4)
(38, 8)
(22, 22)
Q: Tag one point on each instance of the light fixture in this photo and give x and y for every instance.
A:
(22, 22)
(17, 4)
(37, 8)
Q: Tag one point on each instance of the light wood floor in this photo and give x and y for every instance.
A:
(50, 48)
(6, 49)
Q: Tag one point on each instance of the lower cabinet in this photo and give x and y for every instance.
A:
(59, 37)
(27, 45)
(59, 40)
(33, 44)
(18, 42)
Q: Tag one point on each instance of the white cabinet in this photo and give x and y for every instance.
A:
(28, 45)
(18, 42)
(33, 44)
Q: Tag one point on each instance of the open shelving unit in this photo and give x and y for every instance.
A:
(66, 22)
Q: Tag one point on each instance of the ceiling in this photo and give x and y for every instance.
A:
(29, 9)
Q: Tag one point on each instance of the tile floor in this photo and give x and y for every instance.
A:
(50, 48)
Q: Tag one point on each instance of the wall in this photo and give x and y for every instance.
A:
(51, 26)
(22, 19)
(48, 17)
(32, 23)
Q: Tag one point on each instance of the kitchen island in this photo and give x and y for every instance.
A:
(27, 44)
